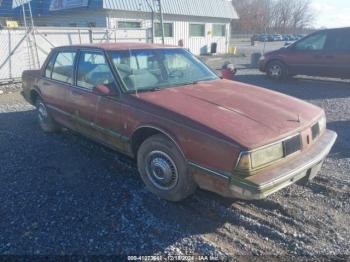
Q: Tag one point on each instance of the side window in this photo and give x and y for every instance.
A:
(339, 41)
(219, 30)
(49, 67)
(63, 67)
(93, 70)
(197, 30)
(313, 42)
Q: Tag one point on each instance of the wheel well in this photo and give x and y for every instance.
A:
(144, 133)
(34, 96)
(140, 136)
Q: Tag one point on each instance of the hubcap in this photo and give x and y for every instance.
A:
(275, 71)
(42, 113)
(161, 170)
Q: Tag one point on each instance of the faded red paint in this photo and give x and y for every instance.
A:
(211, 122)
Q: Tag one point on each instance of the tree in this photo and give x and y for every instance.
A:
(283, 16)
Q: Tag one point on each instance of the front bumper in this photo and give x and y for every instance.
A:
(307, 165)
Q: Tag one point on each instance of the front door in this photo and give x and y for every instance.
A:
(307, 56)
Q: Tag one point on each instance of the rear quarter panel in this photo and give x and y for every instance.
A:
(30, 79)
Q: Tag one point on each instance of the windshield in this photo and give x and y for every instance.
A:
(153, 69)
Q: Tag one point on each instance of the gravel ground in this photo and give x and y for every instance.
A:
(63, 194)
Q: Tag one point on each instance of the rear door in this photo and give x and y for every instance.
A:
(56, 83)
(337, 53)
(307, 56)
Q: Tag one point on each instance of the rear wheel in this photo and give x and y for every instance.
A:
(276, 70)
(164, 170)
(46, 122)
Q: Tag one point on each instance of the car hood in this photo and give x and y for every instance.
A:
(244, 114)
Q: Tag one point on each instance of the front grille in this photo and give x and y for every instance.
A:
(315, 130)
(292, 145)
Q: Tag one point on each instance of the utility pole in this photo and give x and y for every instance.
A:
(161, 20)
(152, 11)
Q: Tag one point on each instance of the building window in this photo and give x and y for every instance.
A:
(128, 24)
(197, 30)
(168, 29)
(219, 30)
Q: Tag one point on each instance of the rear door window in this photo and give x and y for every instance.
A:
(49, 67)
(339, 41)
(63, 67)
(93, 70)
(314, 42)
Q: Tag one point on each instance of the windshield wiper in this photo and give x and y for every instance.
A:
(154, 89)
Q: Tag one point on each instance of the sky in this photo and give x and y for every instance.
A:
(331, 13)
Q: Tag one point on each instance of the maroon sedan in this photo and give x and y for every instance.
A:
(186, 127)
(323, 53)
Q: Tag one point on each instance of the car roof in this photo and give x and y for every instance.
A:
(118, 46)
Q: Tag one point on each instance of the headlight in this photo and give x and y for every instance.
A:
(260, 157)
(322, 123)
(267, 155)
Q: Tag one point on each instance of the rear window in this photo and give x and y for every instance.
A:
(63, 67)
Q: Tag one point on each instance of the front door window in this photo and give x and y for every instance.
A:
(314, 42)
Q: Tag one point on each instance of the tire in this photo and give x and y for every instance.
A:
(46, 122)
(276, 70)
(164, 170)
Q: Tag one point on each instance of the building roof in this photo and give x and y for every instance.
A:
(198, 8)
(202, 8)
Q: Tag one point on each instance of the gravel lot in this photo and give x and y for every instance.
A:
(63, 194)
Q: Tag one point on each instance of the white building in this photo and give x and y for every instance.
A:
(196, 24)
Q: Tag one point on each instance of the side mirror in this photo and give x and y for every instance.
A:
(102, 90)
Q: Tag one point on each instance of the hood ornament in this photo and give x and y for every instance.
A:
(297, 120)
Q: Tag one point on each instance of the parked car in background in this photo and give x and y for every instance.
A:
(263, 38)
(289, 38)
(323, 53)
(277, 38)
(184, 125)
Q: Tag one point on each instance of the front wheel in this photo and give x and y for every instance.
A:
(46, 122)
(164, 170)
(276, 70)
